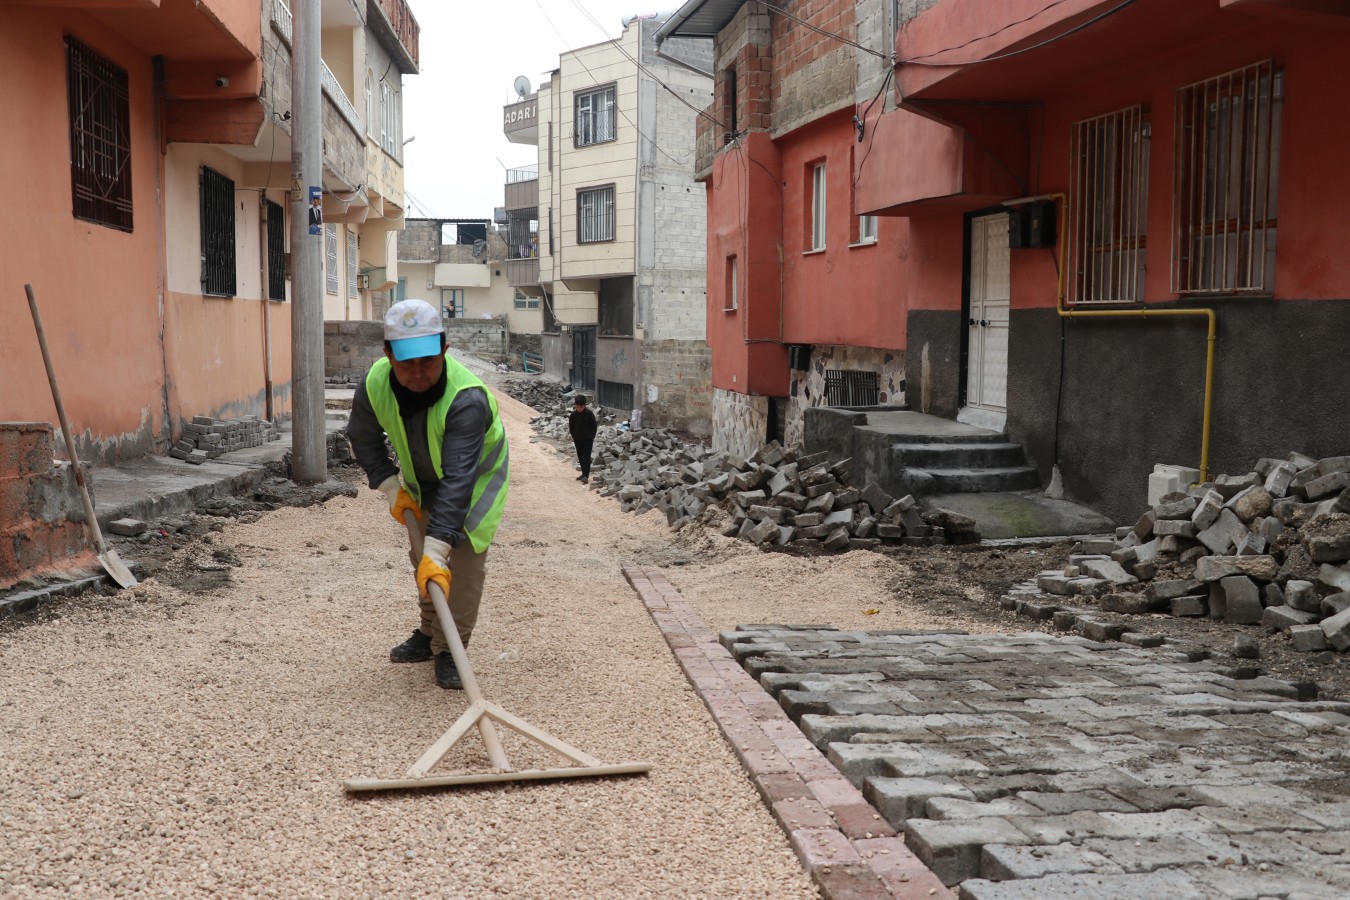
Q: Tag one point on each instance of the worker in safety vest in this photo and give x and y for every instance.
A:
(451, 469)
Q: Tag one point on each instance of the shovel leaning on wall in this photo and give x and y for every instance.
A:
(112, 564)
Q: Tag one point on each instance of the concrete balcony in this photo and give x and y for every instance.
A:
(397, 28)
(522, 272)
(520, 121)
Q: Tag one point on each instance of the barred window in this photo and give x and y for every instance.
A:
(218, 250)
(1226, 182)
(330, 269)
(99, 108)
(352, 254)
(595, 117)
(1108, 207)
(595, 215)
(276, 251)
(846, 387)
(614, 394)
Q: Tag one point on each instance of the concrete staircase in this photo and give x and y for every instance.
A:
(966, 463)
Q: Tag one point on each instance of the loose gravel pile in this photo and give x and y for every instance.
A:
(193, 744)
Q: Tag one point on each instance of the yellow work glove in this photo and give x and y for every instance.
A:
(399, 499)
(434, 567)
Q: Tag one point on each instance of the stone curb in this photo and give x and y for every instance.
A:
(845, 845)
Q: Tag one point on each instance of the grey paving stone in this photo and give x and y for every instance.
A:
(1001, 862)
(1256, 818)
(948, 808)
(953, 849)
(1060, 804)
(899, 799)
(1134, 855)
(1165, 885)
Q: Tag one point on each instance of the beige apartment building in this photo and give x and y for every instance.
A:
(459, 265)
(607, 229)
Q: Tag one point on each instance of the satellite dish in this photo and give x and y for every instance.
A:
(523, 86)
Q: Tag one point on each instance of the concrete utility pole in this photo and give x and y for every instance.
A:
(309, 458)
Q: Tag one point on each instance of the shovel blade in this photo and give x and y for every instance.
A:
(113, 565)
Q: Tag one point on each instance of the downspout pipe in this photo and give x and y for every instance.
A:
(1071, 313)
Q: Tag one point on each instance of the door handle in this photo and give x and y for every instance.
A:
(972, 322)
(984, 322)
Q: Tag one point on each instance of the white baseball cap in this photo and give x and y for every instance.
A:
(413, 329)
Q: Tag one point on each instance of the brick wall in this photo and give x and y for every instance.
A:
(677, 386)
(419, 241)
(41, 512)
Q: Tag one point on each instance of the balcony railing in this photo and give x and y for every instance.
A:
(523, 173)
(282, 22)
(405, 26)
(522, 272)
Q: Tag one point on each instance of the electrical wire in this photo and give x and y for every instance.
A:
(860, 122)
(823, 32)
(918, 60)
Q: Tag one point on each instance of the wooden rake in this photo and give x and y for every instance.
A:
(486, 715)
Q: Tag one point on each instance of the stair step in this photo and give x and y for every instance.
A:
(990, 437)
(960, 456)
(980, 480)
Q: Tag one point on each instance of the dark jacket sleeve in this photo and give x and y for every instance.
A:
(367, 439)
(466, 425)
(582, 426)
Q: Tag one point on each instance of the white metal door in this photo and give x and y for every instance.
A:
(987, 372)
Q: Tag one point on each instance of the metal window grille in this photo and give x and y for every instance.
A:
(614, 394)
(352, 254)
(595, 115)
(1108, 205)
(1225, 184)
(818, 207)
(276, 251)
(848, 388)
(218, 251)
(100, 137)
(595, 215)
(330, 269)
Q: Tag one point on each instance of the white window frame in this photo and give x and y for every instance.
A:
(867, 230)
(524, 302)
(372, 112)
(595, 215)
(389, 120)
(1225, 182)
(1108, 207)
(330, 248)
(733, 289)
(819, 191)
(595, 116)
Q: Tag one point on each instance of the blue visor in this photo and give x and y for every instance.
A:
(414, 347)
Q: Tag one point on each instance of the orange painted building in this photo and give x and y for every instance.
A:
(153, 169)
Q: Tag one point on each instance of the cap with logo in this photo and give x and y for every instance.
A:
(413, 329)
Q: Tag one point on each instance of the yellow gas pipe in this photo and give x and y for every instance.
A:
(1066, 313)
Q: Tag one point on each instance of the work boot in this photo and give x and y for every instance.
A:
(415, 649)
(447, 675)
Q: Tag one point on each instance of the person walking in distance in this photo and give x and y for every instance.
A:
(450, 469)
(581, 426)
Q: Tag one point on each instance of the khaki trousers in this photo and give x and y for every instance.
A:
(467, 572)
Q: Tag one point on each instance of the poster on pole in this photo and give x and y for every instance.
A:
(315, 210)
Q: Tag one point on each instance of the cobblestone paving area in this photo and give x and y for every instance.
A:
(844, 844)
(1034, 766)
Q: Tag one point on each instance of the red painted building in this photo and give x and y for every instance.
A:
(1028, 159)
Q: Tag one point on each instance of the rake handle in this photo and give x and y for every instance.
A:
(457, 652)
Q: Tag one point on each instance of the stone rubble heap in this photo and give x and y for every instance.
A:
(776, 497)
(207, 438)
(1267, 548)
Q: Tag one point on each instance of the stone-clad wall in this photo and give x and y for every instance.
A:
(349, 348)
(807, 389)
(740, 422)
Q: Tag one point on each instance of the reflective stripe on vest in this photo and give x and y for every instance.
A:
(491, 481)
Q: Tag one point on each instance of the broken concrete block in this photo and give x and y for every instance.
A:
(1327, 537)
(127, 527)
(744, 499)
(840, 517)
(1251, 545)
(1228, 486)
(777, 485)
(890, 532)
(1246, 647)
(1174, 528)
(899, 507)
(1337, 630)
(762, 531)
(846, 497)
(1308, 638)
(775, 514)
(1242, 600)
(1271, 529)
(785, 533)
(1250, 503)
(821, 504)
(1108, 570)
(1333, 604)
(1335, 577)
(948, 520)
(1277, 482)
(814, 532)
(1177, 509)
(837, 540)
(1159, 591)
(1128, 603)
(1327, 485)
(824, 487)
(1207, 510)
(1282, 618)
(1273, 595)
(865, 527)
(1302, 595)
(807, 520)
(1223, 535)
(1188, 606)
(1143, 529)
(790, 500)
(197, 457)
(875, 497)
(1261, 568)
(1194, 553)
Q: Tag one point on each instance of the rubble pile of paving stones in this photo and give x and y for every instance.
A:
(1268, 548)
(776, 497)
(545, 396)
(207, 438)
